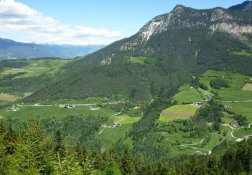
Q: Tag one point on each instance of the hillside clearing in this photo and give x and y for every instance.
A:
(178, 112)
(8, 97)
(187, 94)
(247, 87)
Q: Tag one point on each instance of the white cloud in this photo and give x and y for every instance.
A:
(36, 27)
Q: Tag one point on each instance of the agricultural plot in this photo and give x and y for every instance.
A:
(36, 67)
(8, 97)
(244, 108)
(247, 87)
(137, 60)
(89, 100)
(44, 112)
(178, 112)
(235, 80)
(242, 53)
(141, 60)
(238, 96)
(188, 94)
(116, 129)
(229, 120)
(242, 132)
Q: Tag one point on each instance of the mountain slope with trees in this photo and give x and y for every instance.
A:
(173, 47)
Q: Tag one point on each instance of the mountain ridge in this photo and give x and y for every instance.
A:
(175, 46)
(247, 5)
(10, 49)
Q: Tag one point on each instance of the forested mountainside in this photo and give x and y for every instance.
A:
(10, 49)
(169, 49)
(30, 151)
(175, 98)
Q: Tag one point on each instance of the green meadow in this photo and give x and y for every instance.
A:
(179, 110)
(243, 132)
(238, 95)
(37, 67)
(110, 136)
(188, 94)
(44, 112)
(8, 97)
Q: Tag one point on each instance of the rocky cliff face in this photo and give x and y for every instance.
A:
(217, 19)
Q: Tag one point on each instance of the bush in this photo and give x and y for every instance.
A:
(240, 119)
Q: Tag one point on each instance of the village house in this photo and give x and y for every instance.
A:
(68, 106)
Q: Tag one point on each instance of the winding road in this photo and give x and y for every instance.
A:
(193, 146)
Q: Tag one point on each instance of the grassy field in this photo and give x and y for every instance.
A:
(182, 109)
(247, 87)
(188, 94)
(27, 112)
(242, 53)
(31, 76)
(110, 136)
(182, 112)
(232, 94)
(8, 97)
(215, 139)
(242, 108)
(37, 67)
(235, 80)
(237, 95)
(137, 60)
(164, 118)
(243, 132)
(229, 120)
(89, 100)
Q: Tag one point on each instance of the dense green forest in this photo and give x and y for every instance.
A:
(31, 151)
(138, 106)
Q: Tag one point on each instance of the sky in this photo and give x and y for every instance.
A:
(85, 22)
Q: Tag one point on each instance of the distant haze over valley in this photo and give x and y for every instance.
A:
(10, 49)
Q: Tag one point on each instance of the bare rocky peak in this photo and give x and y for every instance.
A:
(220, 14)
(217, 19)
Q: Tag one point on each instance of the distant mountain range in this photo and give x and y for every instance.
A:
(10, 49)
(167, 52)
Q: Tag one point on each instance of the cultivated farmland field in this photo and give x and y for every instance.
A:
(110, 135)
(188, 94)
(237, 96)
(36, 67)
(33, 112)
(247, 87)
(178, 112)
(8, 97)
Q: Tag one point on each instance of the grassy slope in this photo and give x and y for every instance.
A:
(188, 94)
(247, 87)
(110, 136)
(37, 67)
(234, 93)
(52, 112)
(178, 109)
(30, 77)
(7, 97)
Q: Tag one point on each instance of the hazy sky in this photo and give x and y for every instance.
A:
(85, 22)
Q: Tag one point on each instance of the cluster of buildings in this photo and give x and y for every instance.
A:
(67, 106)
(13, 108)
(114, 125)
